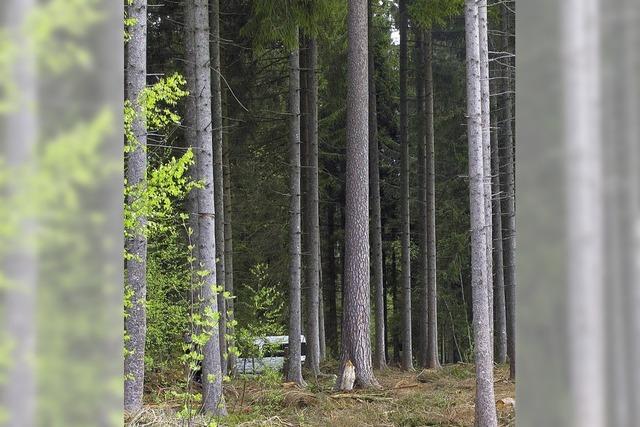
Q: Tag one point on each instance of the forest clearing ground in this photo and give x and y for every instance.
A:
(444, 399)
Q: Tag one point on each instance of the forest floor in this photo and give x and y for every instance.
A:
(445, 398)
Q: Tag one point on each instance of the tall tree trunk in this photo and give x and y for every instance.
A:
(508, 205)
(432, 296)
(312, 212)
(228, 244)
(321, 331)
(212, 397)
(356, 344)
(329, 281)
(136, 243)
(295, 328)
(585, 186)
(407, 358)
(218, 174)
(377, 277)
(422, 197)
(499, 312)
(485, 410)
(486, 148)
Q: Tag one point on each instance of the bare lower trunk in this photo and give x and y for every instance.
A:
(295, 330)
(377, 278)
(432, 296)
(228, 249)
(356, 344)
(136, 243)
(407, 358)
(212, 397)
(312, 213)
(422, 199)
(485, 411)
(499, 312)
(329, 281)
(216, 124)
(508, 208)
(486, 148)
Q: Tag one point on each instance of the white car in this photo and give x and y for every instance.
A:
(274, 350)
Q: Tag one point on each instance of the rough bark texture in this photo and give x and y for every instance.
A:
(228, 247)
(294, 372)
(508, 207)
(499, 312)
(485, 410)
(407, 358)
(216, 124)
(486, 147)
(136, 244)
(422, 198)
(312, 212)
(432, 296)
(356, 344)
(377, 277)
(212, 397)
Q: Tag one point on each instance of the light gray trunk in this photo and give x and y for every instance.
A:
(432, 296)
(485, 411)
(377, 277)
(294, 372)
(356, 344)
(407, 358)
(508, 206)
(18, 251)
(218, 174)
(212, 397)
(486, 148)
(136, 244)
(584, 220)
(312, 212)
(499, 312)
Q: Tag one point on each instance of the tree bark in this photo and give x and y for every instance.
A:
(508, 206)
(312, 212)
(421, 141)
(485, 411)
(407, 358)
(218, 174)
(356, 344)
(136, 243)
(228, 245)
(486, 148)
(212, 397)
(499, 311)
(432, 296)
(295, 330)
(377, 277)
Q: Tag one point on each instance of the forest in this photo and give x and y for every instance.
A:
(319, 214)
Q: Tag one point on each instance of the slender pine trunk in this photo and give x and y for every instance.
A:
(377, 277)
(212, 397)
(407, 357)
(312, 211)
(136, 242)
(218, 174)
(485, 411)
(295, 330)
(508, 205)
(432, 296)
